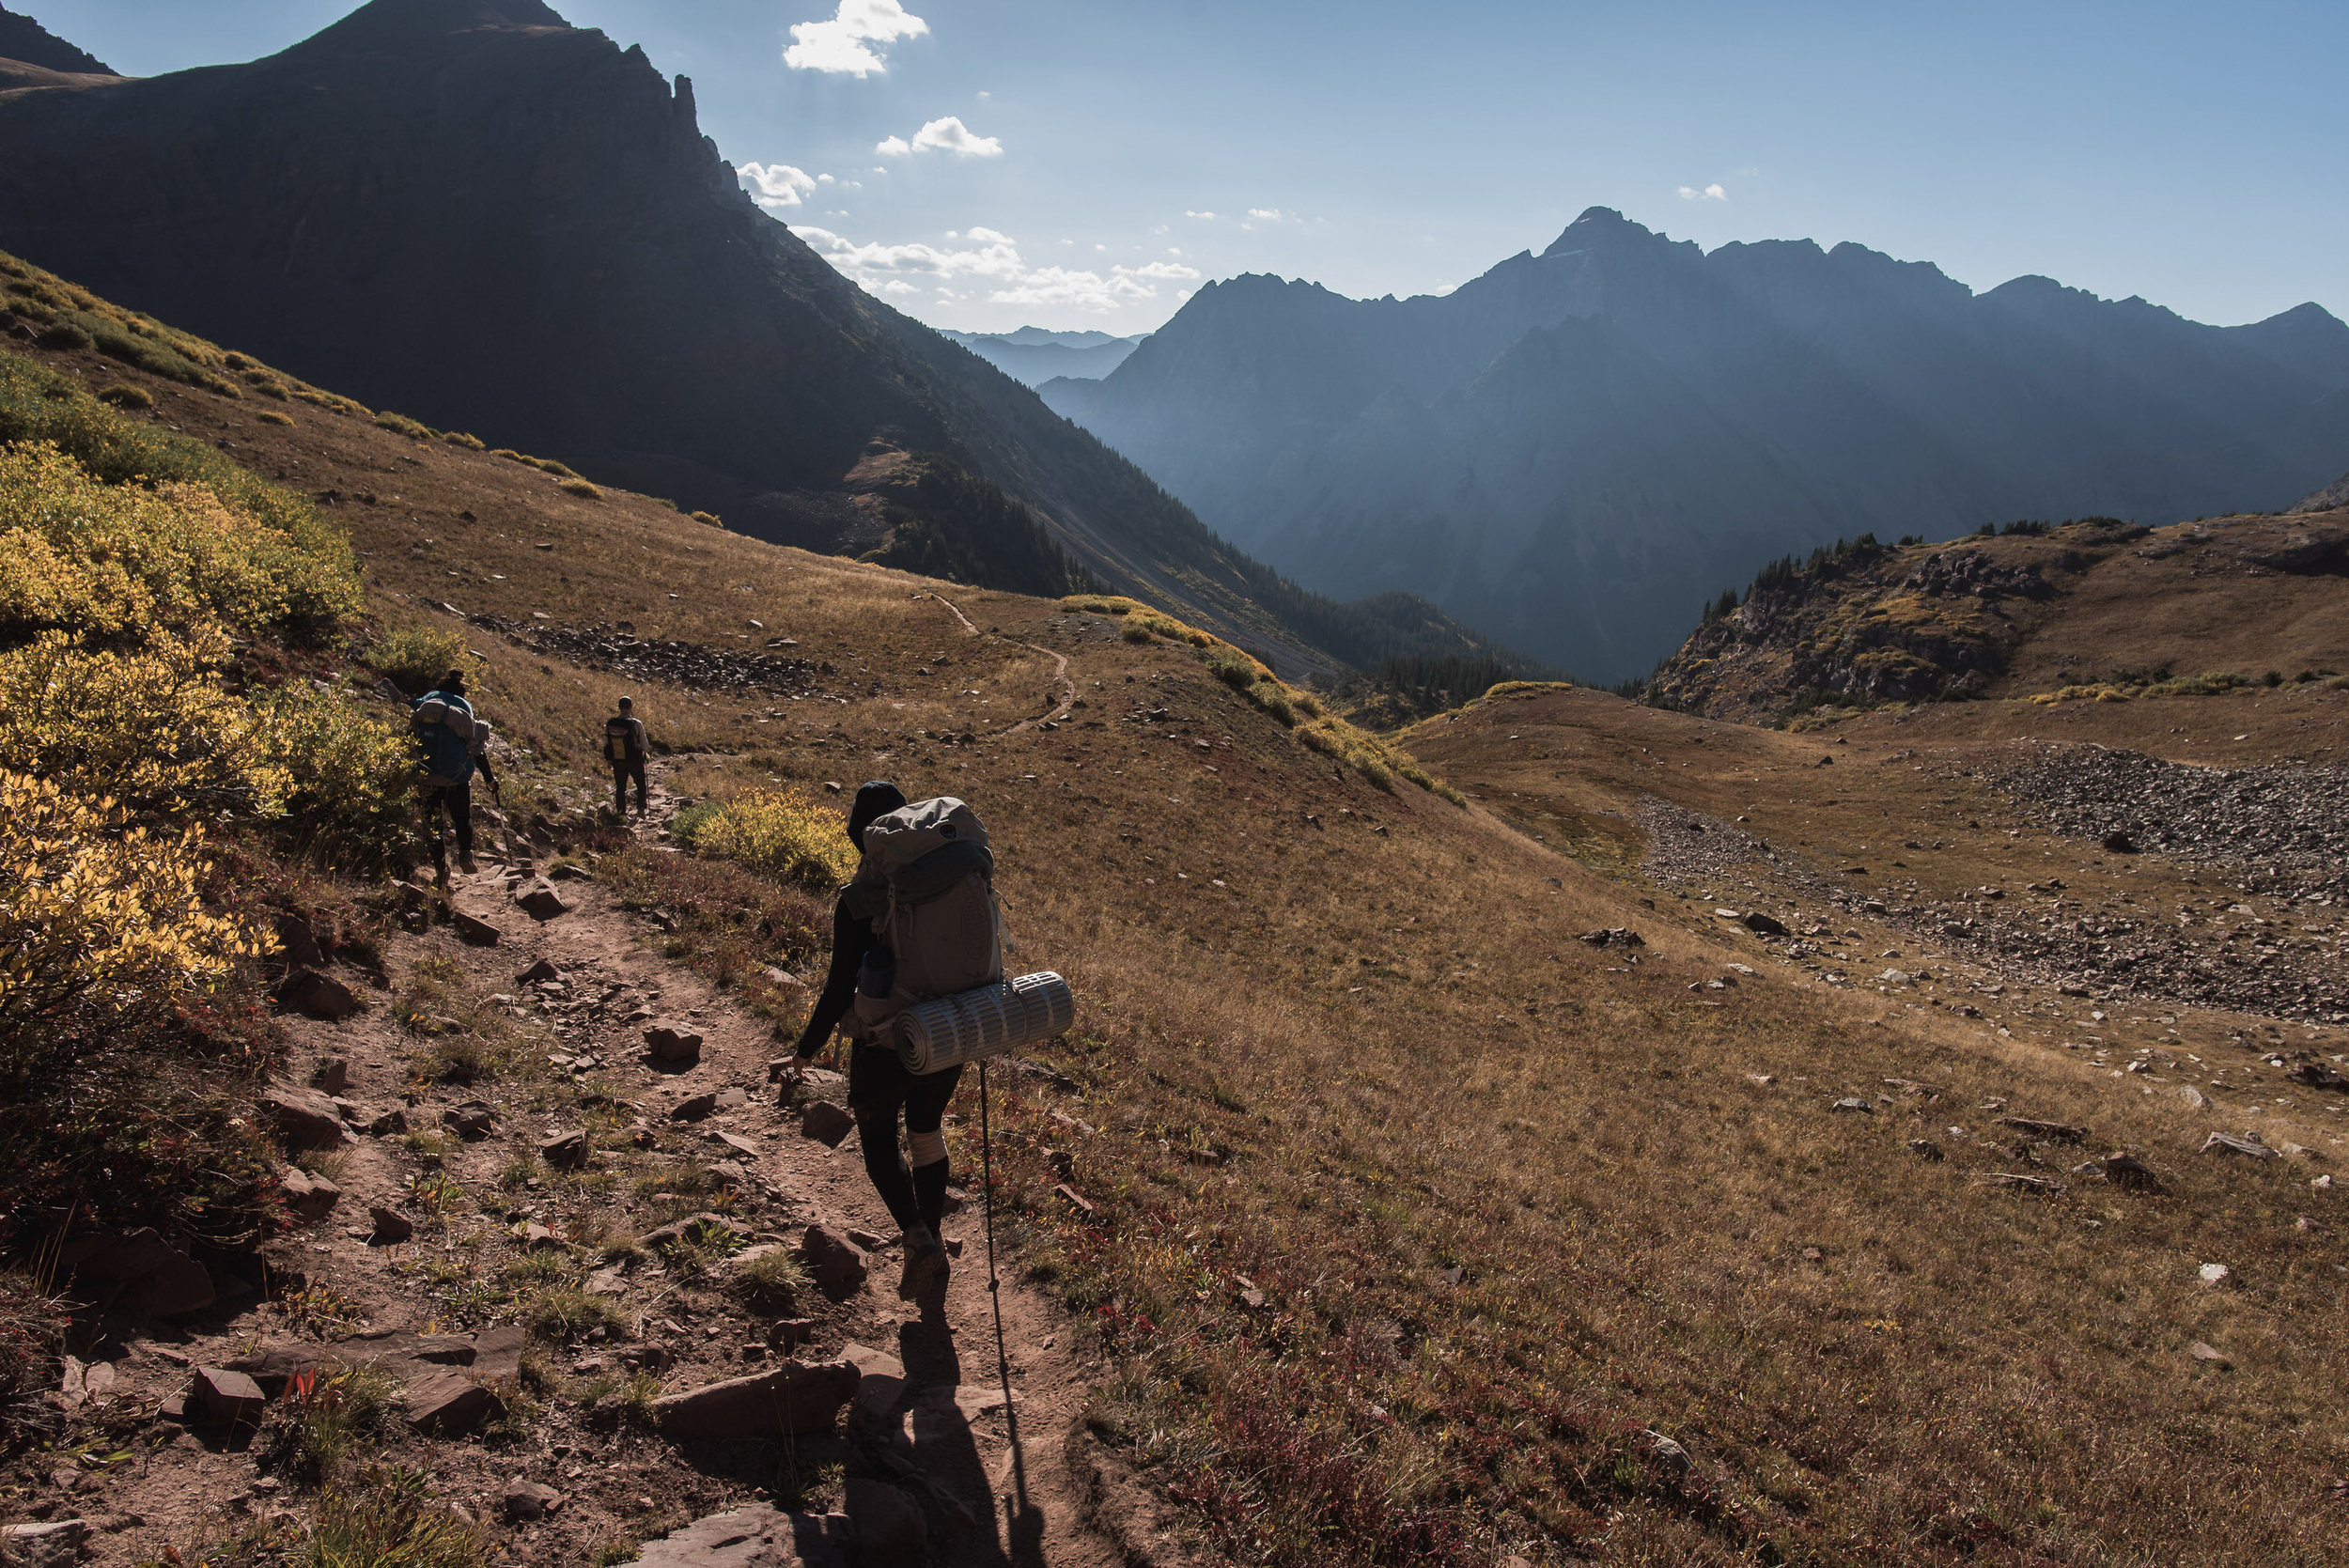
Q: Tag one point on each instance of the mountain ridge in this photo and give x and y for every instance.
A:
(491, 221)
(1571, 494)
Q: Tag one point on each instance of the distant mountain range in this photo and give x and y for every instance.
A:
(1034, 356)
(473, 214)
(1576, 450)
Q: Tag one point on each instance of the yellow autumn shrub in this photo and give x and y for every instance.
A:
(114, 559)
(778, 833)
(98, 914)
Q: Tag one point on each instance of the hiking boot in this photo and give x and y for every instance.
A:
(466, 864)
(925, 1269)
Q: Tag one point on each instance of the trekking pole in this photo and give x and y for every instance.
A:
(994, 1294)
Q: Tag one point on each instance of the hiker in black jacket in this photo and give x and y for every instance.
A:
(878, 1086)
(624, 746)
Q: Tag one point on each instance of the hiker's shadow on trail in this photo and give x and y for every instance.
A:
(939, 1416)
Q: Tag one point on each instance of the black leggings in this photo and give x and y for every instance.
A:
(457, 799)
(879, 1086)
(623, 770)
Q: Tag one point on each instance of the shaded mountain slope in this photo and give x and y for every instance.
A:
(1561, 451)
(468, 212)
(1033, 356)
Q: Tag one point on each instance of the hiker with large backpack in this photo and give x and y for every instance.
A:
(624, 747)
(454, 745)
(917, 922)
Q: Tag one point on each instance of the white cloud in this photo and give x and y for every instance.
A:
(1270, 215)
(1711, 193)
(942, 135)
(843, 46)
(775, 186)
(992, 259)
(1190, 214)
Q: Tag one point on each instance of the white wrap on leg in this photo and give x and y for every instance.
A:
(928, 1147)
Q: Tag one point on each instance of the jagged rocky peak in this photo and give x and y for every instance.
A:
(387, 24)
(25, 41)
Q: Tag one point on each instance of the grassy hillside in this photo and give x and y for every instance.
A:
(1423, 1183)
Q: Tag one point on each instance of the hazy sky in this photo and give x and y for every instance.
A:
(986, 164)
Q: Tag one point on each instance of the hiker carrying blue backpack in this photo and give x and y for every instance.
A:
(453, 744)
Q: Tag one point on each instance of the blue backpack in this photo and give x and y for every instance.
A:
(444, 730)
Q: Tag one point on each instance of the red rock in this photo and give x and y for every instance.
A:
(673, 1041)
(304, 1118)
(834, 1262)
(310, 1197)
(448, 1404)
(227, 1396)
(826, 1122)
(473, 930)
(317, 996)
(793, 1398)
(539, 900)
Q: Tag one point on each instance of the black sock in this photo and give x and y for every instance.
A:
(929, 1193)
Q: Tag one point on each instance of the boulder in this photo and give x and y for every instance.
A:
(317, 996)
(565, 1151)
(881, 1378)
(525, 1500)
(227, 1397)
(1763, 925)
(889, 1529)
(448, 1404)
(826, 1122)
(538, 899)
(473, 930)
(331, 1077)
(2125, 1169)
(391, 1226)
(696, 1108)
(756, 1536)
(794, 1398)
(473, 1121)
(543, 970)
(673, 1041)
(833, 1261)
(54, 1544)
(304, 1118)
(2228, 1143)
(311, 1197)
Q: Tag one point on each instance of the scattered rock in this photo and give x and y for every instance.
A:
(2195, 1098)
(473, 1121)
(2051, 1132)
(2202, 1352)
(227, 1397)
(310, 1197)
(448, 1404)
(1668, 1453)
(676, 1230)
(790, 1333)
(1854, 1103)
(889, 1530)
(880, 1378)
(696, 1108)
(2125, 1169)
(2228, 1143)
(157, 1279)
(304, 1118)
(2215, 1273)
(331, 1077)
(673, 1041)
(794, 1398)
(391, 1226)
(473, 930)
(833, 1261)
(2315, 1075)
(54, 1544)
(390, 1124)
(735, 1142)
(755, 1537)
(543, 970)
(1762, 925)
(826, 1122)
(525, 1500)
(2038, 1185)
(1924, 1148)
(538, 899)
(317, 996)
(565, 1151)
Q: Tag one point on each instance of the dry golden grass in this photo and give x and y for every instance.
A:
(1413, 1218)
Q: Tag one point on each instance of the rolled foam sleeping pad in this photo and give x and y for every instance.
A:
(970, 1024)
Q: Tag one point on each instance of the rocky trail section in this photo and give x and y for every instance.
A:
(552, 1262)
(692, 665)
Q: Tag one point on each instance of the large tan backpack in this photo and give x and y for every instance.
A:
(929, 869)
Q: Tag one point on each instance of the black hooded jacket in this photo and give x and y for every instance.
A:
(851, 930)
